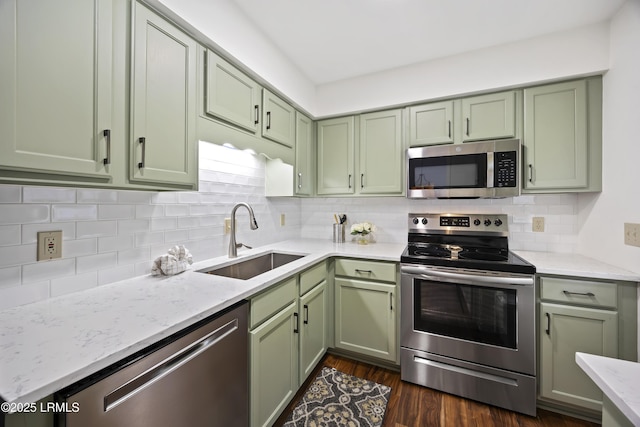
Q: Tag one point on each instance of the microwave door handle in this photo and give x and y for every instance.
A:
(476, 279)
(490, 169)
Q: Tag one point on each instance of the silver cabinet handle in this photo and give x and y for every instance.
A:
(530, 172)
(168, 365)
(299, 179)
(361, 180)
(143, 142)
(583, 294)
(467, 126)
(349, 180)
(257, 114)
(364, 271)
(268, 119)
(450, 129)
(107, 137)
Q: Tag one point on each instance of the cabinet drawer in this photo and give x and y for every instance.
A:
(312, 277)
(267, 304)
(361, 269)
(587, 292)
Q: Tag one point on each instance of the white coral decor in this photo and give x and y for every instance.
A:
(362, 228)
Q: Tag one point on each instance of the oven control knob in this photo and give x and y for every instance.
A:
(476, 222)
(424, 221)
(498, 222)
(487, 222)
(415, 220)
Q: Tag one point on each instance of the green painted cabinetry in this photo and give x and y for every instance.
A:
(582, 315)
(373, 142)
(431, 124)
(336, 154)
(562, 143)
(278, 119)
(289, 330)
(231, 95)
(491, 116)
(163, 104)
(56, 89)
(305, 159)
(366, 308)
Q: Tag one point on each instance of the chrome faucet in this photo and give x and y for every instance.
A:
(233, 246)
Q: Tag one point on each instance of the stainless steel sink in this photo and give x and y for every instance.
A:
(252, 267)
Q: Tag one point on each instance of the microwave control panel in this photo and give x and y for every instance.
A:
(505, 169)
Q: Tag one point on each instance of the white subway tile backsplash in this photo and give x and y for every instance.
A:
(176, 236)
(149, 238)
(17, 255)
(135, 255)
(62, 213)
(10, 276)
(23, 214)
(24, 294)
(30, 231)
(81, 247)
(96, 229)
(47, 270)
(96, 262)
(163, 224)
(9, 235)
(80, 282)
(176, 210)
(132, 226)
(117, 243)
(114, 274)
(134, 197)
(48, 195)
(97, 196)
(116, 211)
(10, 194)
(149, 211)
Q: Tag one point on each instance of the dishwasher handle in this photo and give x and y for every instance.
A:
(168, 365)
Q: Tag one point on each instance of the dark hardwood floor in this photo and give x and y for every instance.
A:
(414, 406)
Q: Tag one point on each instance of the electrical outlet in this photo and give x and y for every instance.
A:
(281, 220)
(49, 245)
(227, 225)
(631, 234)
(538, 224)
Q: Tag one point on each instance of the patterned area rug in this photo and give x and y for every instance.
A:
(335, 399)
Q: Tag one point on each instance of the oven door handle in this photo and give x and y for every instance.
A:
(432, 274)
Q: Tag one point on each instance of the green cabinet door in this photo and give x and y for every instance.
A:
(381, 155)
(304, 156)
(431, 124)
(555, 136)
(365, 320)
(278, 119)
(274, 366)
(565, 330)
(231, 95)
(163, 105)
(56, 88)
(336, 147)
(313, 328)
(489, 116)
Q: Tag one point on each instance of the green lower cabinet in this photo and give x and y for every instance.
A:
(274, 366)
(366, 318)
(565, 330)
(313, 328)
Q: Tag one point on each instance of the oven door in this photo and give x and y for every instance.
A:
(477, 316)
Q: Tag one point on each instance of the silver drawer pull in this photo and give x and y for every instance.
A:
(583, 294)
(143, 141)
(363, 271)
(107, 137)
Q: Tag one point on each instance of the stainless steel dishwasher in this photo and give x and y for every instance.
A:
(197, 377)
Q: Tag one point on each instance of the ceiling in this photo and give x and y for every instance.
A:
(331, 40)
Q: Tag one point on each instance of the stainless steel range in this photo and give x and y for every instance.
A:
(468, 311)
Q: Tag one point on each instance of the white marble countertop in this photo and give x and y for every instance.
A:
(51, 344)
(567, 264)
(618, 379)
(48, 345)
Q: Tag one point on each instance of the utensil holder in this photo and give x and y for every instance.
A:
(338, 233)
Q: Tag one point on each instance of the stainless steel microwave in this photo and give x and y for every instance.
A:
(487, 169)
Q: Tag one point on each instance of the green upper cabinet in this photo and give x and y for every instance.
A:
(278, 119)
(304, 156)
(431, 124)
(381, 154)
(336, 151)
(163, 105)
(562, 137)
(491, 116)
(56, 90)
(231, 95)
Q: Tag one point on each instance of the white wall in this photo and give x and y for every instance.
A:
(571, 53)
(602, 216)
(111, 235)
